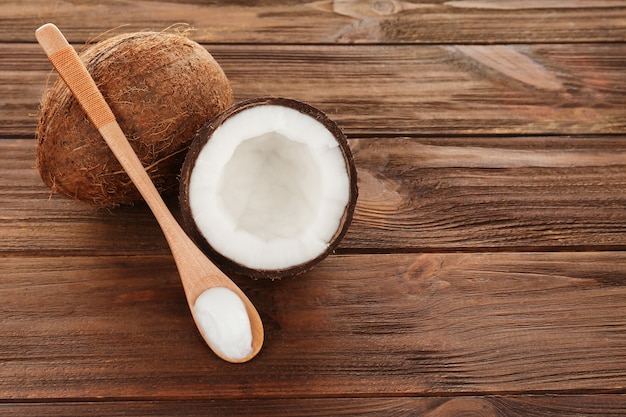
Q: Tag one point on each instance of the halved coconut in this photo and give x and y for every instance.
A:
(268, 187)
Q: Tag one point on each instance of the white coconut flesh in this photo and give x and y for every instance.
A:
(270, 187)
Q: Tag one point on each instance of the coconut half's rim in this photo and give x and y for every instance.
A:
(268, 187)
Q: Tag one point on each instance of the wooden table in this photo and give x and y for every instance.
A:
(484, 272)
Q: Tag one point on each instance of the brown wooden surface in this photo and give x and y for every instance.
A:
(333, 21)
(485, 270)
(400, 89)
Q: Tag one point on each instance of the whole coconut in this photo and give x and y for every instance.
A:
(162, 87)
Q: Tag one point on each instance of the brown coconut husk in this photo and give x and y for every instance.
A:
(162, 87)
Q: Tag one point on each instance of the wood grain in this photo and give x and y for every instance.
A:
(398, 90)
(484, 273)
(438, 194)
(328, 21)
(115, 328)
(485, 406)
(477, 193)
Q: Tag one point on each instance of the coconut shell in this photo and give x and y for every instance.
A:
(204, 135)
(162, 87)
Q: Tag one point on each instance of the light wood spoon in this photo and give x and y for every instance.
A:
(197, 272)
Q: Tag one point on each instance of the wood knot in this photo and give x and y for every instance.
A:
(371, 8)
(422, 276)
(386, 7)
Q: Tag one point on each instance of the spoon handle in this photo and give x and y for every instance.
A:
(72, 70)
(69, 66)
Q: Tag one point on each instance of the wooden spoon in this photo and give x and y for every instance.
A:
(197, 272)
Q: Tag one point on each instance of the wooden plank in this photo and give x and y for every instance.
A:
(506, 193)
(423, 90)
(503, 406)
(118, 328)
(33, 220)
(437, 194)
(327, 21)
(398, 90)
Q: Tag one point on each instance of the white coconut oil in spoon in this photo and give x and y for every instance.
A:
(222, 318)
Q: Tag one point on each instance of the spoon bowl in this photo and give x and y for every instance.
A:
(197, 273)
